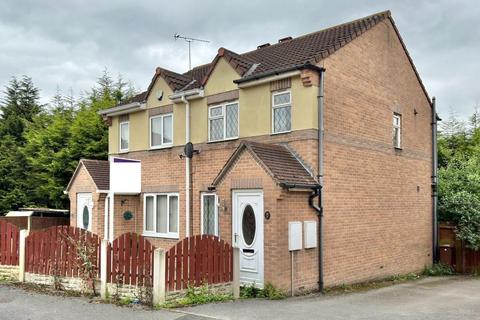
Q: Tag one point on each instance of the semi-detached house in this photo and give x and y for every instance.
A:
(259, 161)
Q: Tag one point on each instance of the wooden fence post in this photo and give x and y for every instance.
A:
(236, 273)
(103, 268)
(159, 272)
(21, 254)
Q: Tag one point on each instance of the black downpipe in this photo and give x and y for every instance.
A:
(435, 248)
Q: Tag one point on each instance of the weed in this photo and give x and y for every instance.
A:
(269, 292)
(199, 295)
(438, 269)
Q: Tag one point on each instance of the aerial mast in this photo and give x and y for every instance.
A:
(176, 36)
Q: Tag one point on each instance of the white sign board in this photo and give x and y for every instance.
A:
(310, 234)
(294, 235)
(125, 176)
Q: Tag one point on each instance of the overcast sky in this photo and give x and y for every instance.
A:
(67, 43)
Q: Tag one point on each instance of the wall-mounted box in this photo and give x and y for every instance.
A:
(310, 234)
(294, 235)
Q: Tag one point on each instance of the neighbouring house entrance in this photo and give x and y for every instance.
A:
(247, 234)
(84, 211)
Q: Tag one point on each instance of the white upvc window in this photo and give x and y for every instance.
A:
(161, 131)
(161, 215)
(209, 222)
(397, 130)
(124, 128)
(223, 122)
(281, 112)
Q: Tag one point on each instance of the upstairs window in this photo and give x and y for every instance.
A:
(397, 131)
(124, 136)
(161, 215)
(161, 131)
(209, 214)
(281, 112)
(223, 122)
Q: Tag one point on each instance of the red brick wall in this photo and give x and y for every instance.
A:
(377, 200)
(84, 183)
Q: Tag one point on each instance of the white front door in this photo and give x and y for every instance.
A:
(84, 211)
(247, 235)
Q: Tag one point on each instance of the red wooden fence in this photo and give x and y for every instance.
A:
(130, 260)
(9, 238)
(454, 253)
(54, 251)
(197, 260)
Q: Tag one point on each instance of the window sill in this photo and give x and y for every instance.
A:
(283, 132)
(169, 146)
(123, 151)
(160, 235)
(224, 140)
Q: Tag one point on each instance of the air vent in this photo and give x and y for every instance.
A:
(285, 39)
(263, 45)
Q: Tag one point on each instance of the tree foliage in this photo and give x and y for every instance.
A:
(459, 177)
(40, 145)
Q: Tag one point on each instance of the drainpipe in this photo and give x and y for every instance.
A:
(320, 133)
(187, 167)
(434, 182)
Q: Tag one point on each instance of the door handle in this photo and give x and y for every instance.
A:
(235, 235)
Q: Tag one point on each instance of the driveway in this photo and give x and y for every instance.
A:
(430, 298)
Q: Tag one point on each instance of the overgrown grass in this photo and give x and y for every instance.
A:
(268, 292)
(438, 269)
(199, 295)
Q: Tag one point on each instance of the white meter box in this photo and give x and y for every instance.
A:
(310, 230)
(294, 235)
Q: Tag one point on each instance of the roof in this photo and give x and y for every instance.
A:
(303, 51)
(17, 214)
(99, 171)
(277, 160)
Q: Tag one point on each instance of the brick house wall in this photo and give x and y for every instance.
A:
(377, 200)
(84, 183)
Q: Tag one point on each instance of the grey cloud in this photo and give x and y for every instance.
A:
(68, 43)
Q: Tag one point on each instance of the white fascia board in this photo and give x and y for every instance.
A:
(124, 109)
(269, 79)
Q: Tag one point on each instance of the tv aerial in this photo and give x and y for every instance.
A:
(176, 36)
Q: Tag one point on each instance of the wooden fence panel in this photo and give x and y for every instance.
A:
(197, 260)
(55, 251)
(9, 239)
(130, 260)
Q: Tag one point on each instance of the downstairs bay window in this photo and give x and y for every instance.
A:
(161, 215)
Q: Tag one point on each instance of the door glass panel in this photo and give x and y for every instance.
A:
(249, 225)
(86, 217)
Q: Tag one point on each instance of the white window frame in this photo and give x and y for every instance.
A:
(162, 145)
(203, 194)
(169, 235)
(224, 116)
(397, 144)
(274, 106)
(120, 135)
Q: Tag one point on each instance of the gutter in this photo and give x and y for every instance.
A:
(123, 109)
